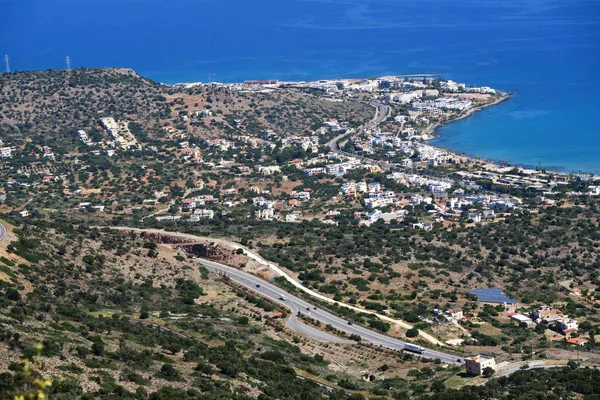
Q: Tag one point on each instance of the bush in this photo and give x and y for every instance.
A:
(413, 332)
(169, 372)
(274, 356)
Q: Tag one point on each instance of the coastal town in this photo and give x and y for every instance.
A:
(393, 146)
(331, 192)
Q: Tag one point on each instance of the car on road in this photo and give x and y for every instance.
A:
(258, 285)
(282, 297)
(308, 308)
(314, 308)
(350, 322)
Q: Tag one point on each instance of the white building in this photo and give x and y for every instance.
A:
(456, 313)
(567, 324)
(304, 195)
(266, 214)
(205, 214)
(6, 152)
(83, 136)
(269, 170)
(520, 318)
(169, 218)
(475, 365)
(293, 217)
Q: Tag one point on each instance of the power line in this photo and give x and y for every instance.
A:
(68, 61)
(7, 61)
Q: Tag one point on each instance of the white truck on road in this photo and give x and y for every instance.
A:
(414, 348)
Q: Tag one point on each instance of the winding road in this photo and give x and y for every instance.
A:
(382, 112)
(296, 304)
(256, 257)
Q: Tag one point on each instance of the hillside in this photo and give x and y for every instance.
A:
(96, 305)
(54, 104)
(329, 181)
(118, 315)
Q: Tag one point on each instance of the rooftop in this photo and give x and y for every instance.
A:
(480, 357)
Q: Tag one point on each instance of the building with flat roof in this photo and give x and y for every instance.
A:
(476, 364)
(520, 318)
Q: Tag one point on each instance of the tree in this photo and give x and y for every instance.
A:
(488, 372)
(205, 368)
(13, 295)
(438, 386)
(144, 314)
(169, 372)
(172, 347)
(98, 348)
(413, 332)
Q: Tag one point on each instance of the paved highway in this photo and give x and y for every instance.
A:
(296, 304)
(2, 231)
(382, 112)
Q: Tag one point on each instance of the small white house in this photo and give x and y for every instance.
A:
(456, 314)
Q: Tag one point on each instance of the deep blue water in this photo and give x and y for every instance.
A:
(546, 51)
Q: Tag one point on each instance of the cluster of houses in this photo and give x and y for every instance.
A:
(47, 178)
(551, 317)
(337, 168)
(7, 151)
(307, 143)
(530, 179)
(436, 107)
(397, 84)
(593, 190)
(120, 133)
(408, 144)
(479, 207)
(197, 201)
(269, 210)
(220, 144)
(190, 154)
(185, 116)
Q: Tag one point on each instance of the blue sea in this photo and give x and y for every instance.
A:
(545, 51)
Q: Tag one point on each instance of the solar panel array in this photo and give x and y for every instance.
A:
(492, 295)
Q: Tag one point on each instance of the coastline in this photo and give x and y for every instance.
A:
(431, 133)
